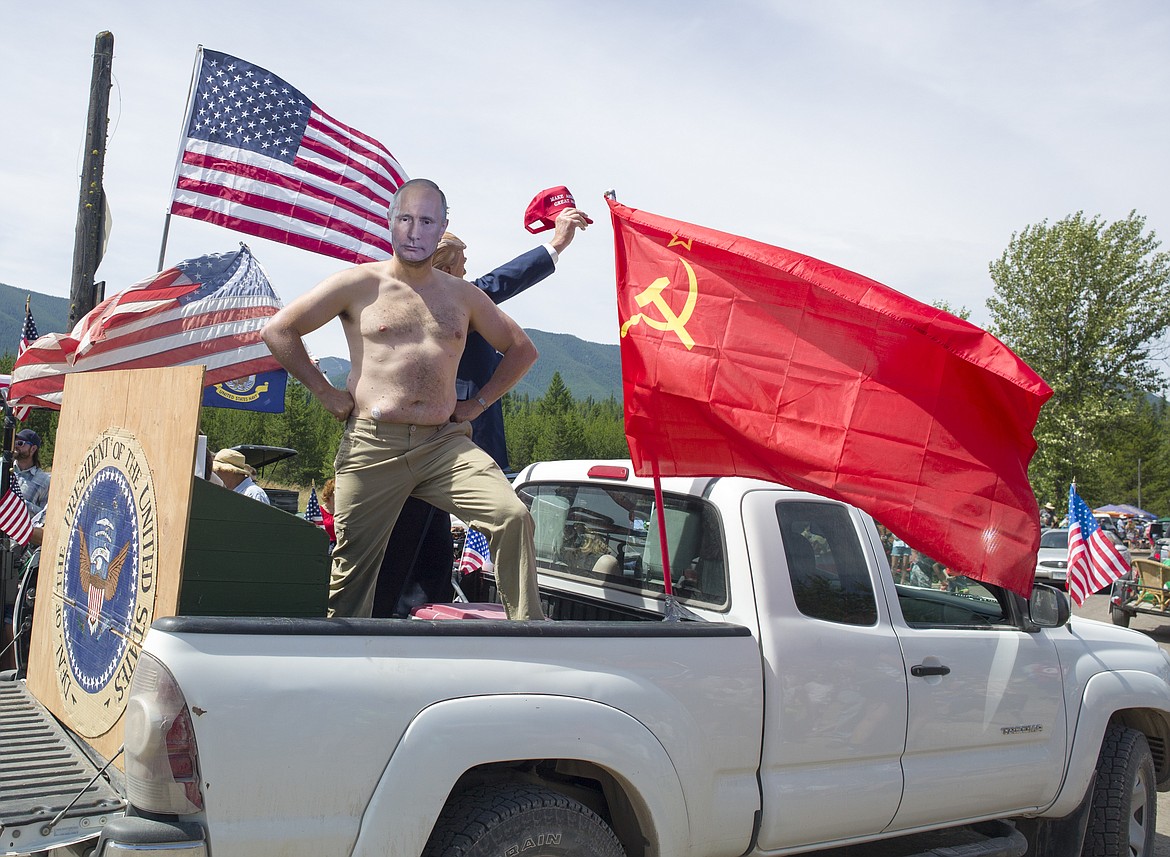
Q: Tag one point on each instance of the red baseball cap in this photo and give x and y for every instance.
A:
(542, 212)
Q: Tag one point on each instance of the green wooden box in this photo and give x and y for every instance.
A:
(244, 558)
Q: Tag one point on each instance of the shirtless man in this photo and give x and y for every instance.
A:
(406, 324)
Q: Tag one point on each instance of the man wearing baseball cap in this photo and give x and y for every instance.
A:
(34, 482)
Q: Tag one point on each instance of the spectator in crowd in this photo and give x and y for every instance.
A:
(899, 556)
(231, 466)
(1048, 516)
(921, 572)
(34, 482)
(325, 499)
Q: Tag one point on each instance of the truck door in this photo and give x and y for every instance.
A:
(986, 716)
(835, 685)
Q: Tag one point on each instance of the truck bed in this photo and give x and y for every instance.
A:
(42, 770)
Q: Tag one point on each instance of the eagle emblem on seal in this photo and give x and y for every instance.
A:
(99, 569)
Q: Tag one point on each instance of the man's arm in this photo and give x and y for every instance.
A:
(282, 334)
(528, 269)
(508, 338)
(511, 278)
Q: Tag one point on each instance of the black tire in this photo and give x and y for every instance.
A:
(489, 821)
(1125, 809)
(1120, 617)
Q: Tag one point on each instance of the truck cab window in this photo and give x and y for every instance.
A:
(612, 535)
(826, 565)
(962, 602)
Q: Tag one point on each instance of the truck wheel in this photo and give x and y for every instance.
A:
(1121, 821)
(488, 821)
(1120, 617)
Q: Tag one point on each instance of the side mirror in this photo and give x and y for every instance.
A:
(1048, 607)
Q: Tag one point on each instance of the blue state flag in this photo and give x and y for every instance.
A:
(263, 392)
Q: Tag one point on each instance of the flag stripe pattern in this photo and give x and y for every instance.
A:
(742, 358)
(260, 157)
(1094, 561)
(28, 335)
(313, 509)
(206, 311)
(475, 552)
(14, 519)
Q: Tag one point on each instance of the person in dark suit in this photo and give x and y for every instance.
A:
(417, 566)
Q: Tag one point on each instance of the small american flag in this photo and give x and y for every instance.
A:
(1093, 560)
(475, 553)
(313, 510)
(28, 335)
(206, 311)
(260, 157)
(14, 520)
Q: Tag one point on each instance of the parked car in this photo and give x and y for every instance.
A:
(1052, 558)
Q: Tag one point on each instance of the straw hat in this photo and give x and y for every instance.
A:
(233, 461)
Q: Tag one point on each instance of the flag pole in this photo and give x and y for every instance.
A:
(666, 582)
(162, 250)
(673, 611)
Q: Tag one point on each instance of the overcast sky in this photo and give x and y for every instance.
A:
(903, 140)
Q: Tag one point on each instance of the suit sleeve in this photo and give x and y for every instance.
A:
(511, 278)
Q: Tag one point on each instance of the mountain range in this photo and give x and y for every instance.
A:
(589, 369)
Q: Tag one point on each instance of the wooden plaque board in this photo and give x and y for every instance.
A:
(115, 538)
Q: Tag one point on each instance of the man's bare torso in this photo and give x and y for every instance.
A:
(405, 341)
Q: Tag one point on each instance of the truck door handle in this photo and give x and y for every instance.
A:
(920, 670)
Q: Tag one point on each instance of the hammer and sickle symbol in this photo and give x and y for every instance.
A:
(652, 294)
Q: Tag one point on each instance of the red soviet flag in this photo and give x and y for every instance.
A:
(739, 358)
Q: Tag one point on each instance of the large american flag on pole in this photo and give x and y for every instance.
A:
(258, 156)
(1094, 561)
(206, 311)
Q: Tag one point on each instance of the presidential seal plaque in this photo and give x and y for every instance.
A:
(115, 537)
(104, 574)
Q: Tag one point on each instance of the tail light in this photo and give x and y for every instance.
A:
(162, 761)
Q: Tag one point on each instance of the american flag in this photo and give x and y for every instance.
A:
(28, 335)
(475, 552)
(206, 311)
(14, 520)
(1093, 560)
(260, 157)
(313, 509)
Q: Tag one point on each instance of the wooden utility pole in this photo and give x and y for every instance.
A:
(87, 241)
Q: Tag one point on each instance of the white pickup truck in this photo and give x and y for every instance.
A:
(801, 703)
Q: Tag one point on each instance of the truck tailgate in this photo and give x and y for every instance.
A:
(41, 771)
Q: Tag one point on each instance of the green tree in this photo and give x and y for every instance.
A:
(560, 433)
(520, 429)
(556, 427)
(958, 312)
(557, 398)
(1084, 302)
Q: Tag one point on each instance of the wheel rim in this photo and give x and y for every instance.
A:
(1138, 814)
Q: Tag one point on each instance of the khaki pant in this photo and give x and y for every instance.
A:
(379, 465)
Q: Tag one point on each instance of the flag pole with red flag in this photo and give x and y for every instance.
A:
(740, 358)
